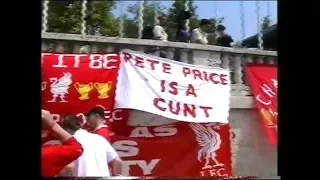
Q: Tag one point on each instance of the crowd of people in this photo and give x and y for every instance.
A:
(90, 154)
(81, 153)
(198, 35)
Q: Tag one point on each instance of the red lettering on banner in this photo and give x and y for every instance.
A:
(223, 79)
(186, 71)
(197, 74)
(139, 62)
(191, 91)
(152, 63)
(189, 111)
(146, 62)
(179, 108)
(172, 89)
(166, 68)
(156, 102)
(205, 110)
(127, 57)
(212, 77)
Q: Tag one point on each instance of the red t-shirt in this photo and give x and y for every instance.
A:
(56, 157)
(103, 131)
(47, 136)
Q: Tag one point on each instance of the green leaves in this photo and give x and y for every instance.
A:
(65, 17)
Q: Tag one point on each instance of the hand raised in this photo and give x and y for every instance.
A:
(47, 118)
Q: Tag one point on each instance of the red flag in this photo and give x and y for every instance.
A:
(178, 149)
(264, 85)
(75, 83)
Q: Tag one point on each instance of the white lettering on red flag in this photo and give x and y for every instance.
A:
(75, 83)
(177, 149)
(264, 85)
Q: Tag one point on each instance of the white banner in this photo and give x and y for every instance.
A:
(172, 89)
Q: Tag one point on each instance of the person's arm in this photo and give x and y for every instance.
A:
(48, 137)
(114, 161)
(53, 127)
(57, 131)
(55, 158)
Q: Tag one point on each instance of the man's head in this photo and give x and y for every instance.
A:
(71, 123)
(183, 15)
(220, 29)
(95, 117)
(205, 24)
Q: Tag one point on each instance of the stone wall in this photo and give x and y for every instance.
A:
(253, 154)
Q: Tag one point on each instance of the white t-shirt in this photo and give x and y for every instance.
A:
(159, 33)
(198, 34)
(97, 153)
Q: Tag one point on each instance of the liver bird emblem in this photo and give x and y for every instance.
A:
(209, 141)
(60, 87)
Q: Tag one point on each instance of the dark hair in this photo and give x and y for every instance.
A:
(71, 122)
(204, 22)
(183, 15)
(96, 111)
(221, 27)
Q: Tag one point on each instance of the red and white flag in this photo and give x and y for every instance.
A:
(264, 86)
(75, 83)
(172, 149)
(173, 89)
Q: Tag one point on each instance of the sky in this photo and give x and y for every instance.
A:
(230, 10)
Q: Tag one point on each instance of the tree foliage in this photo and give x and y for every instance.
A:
(149, 14)
(65, 17)
(173, 12)
(266, 23)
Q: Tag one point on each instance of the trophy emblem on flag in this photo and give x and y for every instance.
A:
(83, 90)
(103, 89)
